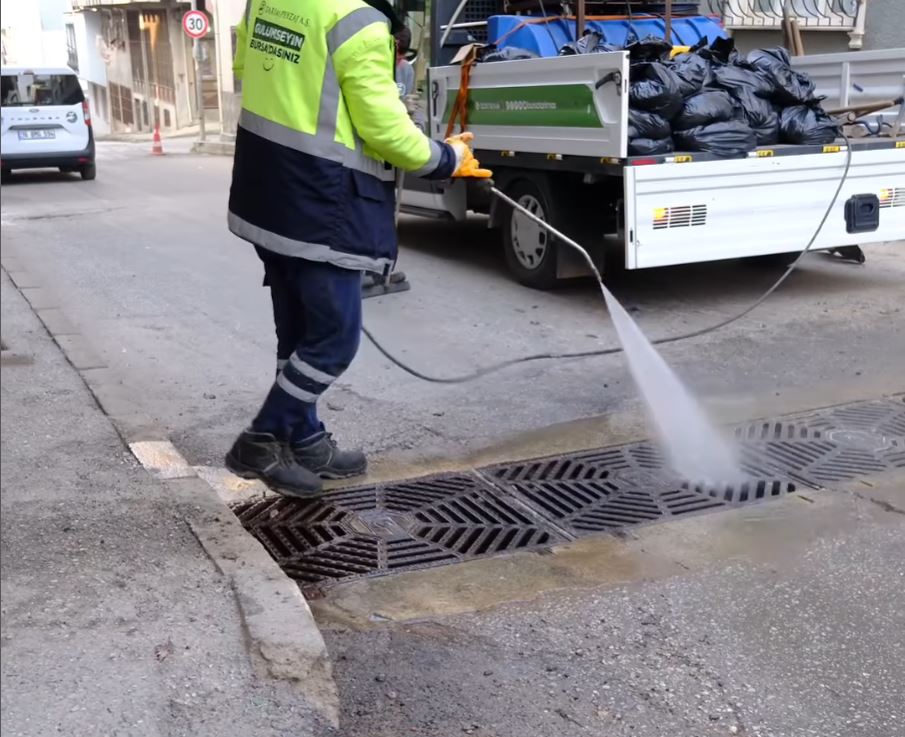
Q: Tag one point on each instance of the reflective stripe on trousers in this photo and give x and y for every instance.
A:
(319, 306)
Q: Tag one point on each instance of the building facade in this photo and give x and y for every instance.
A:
(33, 33)
(138, 65)
(226, 15)
(827, 26)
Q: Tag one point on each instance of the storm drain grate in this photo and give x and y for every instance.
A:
(537, 503)
(384, 528)
(600, 491)
(829, 446)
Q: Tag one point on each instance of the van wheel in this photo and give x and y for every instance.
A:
(89, 172)
(530, 250)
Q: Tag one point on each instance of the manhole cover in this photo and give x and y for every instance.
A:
(537, 503)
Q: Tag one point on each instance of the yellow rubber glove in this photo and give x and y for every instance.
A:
(467, 164)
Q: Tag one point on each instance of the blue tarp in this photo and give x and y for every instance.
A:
(546, 39)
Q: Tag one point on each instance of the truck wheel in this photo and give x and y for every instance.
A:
(530, 250)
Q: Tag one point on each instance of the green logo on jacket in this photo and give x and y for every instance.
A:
(277, 41)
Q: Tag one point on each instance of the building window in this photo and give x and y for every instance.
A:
(121, 104)
(72, 53)
(151, 54)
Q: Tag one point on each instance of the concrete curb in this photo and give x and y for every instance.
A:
(215, 148)
(283, 639)
(147, 137)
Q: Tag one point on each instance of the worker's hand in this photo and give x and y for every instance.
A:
(466, 164)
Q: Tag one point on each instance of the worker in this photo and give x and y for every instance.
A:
(320, 130)
(405, 72)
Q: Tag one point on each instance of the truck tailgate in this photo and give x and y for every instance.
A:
(575, 105)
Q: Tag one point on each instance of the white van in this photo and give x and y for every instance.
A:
(45, 121)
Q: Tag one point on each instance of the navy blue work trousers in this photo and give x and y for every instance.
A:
(317, 315)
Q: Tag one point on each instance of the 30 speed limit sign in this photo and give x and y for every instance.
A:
(195, 24)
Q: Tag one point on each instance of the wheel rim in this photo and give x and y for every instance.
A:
(529, 240)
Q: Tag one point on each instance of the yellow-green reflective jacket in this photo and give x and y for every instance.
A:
(320, 132)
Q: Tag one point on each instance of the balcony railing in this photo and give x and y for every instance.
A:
(831, 15)
(82, 4)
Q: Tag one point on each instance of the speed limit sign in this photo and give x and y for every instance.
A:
(195, 24)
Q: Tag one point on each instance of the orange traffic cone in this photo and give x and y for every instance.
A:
(157, 148)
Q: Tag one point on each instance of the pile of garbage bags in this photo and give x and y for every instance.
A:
(710, 99)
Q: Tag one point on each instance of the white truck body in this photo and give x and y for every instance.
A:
(570, 114)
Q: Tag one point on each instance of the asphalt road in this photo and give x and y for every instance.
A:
(783, 620)
(145, 266)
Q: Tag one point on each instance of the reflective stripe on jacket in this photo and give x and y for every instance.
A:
(320, 130)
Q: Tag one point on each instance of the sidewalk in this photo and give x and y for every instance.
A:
(114, 619)
(191, 131)
(185, 138)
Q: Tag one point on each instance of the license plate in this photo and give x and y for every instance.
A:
(38, 134)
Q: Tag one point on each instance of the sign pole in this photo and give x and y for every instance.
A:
(199, 95)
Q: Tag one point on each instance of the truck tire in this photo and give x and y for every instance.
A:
(529, 249)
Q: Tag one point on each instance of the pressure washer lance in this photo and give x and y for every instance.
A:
(493, 368)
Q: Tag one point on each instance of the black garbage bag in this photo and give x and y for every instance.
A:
(591, 43)
(735, 77)
(649, 48)
(727, 139)
(650, 146)
(693, 72)
(721, 51)
(655, 89)
(706, 107)
(508, 53)
(807, 124)
(789, 87)
(642, 124)
(761, 115)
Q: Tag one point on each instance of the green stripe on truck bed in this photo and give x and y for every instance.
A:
(564, 106)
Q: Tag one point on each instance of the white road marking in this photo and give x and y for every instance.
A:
(161, 458)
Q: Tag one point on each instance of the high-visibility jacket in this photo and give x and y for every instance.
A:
(320, 130)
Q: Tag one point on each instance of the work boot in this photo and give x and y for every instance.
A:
(259, 455)
(321, 455)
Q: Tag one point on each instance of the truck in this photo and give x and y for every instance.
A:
(554, 130)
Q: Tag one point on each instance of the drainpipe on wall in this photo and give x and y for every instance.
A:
(185, 69)
(145, 70)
